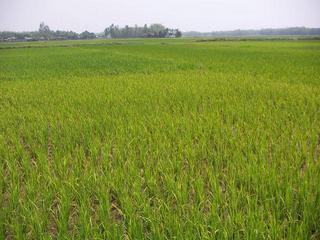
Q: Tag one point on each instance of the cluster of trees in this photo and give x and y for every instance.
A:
(37, 36)
(44, 33)
(152, 31)
(263, 32)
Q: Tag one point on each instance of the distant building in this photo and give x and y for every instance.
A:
(28, 39)
(10, 39)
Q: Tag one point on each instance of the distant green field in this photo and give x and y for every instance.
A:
(160, 139)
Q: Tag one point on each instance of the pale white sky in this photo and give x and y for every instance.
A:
(200, 15)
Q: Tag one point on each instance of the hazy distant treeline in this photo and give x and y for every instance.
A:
(262, 32)
(113, 31)
(152, 31)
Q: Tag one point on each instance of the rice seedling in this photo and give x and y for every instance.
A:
(144, 140)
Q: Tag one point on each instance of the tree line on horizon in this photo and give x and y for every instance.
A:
(262, 32)
(113, 31)
(152, 31)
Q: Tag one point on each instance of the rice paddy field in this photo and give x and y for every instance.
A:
(160, 139)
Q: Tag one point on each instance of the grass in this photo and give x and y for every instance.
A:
(160, 139)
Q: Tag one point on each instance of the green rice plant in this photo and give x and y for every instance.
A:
(160, 139)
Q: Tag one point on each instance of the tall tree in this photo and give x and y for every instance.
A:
(44, 31)
(178, 33)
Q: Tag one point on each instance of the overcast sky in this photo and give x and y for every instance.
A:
(200, 15)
